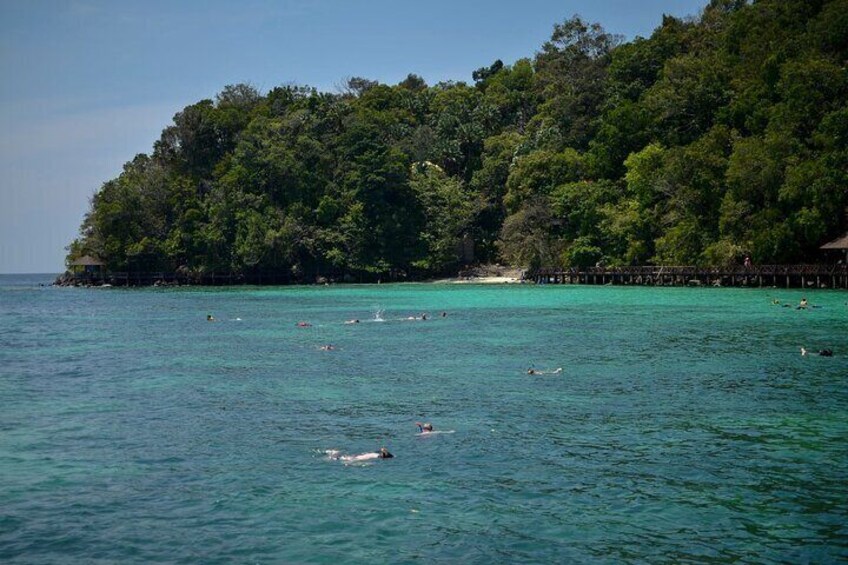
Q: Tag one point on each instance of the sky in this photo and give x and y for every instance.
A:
(85, 85)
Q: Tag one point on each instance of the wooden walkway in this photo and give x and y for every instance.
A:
(783, 276)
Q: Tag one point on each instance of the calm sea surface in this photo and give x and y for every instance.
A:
(685, 426)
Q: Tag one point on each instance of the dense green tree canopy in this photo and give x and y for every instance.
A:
(717, 137)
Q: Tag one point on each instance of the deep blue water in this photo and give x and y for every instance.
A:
(685, 426)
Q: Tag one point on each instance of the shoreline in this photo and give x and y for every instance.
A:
(809, 277)
(481, 280)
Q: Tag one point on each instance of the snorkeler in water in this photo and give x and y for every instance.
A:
(532, 371)
(383, 453)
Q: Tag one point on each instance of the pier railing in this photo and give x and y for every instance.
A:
(786, 276)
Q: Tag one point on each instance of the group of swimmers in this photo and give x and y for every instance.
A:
(803, 305)
(382, 453)
(353, 321)
(330, 347)
(423, 316)
(303, 324)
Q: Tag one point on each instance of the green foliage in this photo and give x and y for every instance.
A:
(582, 253)
(526, 237)
(537, 173)
(712, 139)
(448, 211)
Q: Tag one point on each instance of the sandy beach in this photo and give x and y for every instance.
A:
(487, 275)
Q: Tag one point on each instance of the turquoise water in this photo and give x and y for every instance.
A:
(685, 427)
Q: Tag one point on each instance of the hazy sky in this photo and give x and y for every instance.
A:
(87, 84)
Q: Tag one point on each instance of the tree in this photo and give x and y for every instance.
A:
(571, 73)
(447, 209)
(526, 238)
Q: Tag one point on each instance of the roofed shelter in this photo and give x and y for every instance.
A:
(838, 244)
(88, 265)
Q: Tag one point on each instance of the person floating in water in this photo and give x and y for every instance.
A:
(382, 454)
(532, 371)
(424, 428)
(422, 317)
(822, 352)
(304, 325)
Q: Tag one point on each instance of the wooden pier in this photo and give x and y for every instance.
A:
(781, 276)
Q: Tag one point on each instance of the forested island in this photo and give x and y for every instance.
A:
(718, 137)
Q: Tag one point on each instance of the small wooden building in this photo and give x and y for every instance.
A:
(838, 244)
(87, 265)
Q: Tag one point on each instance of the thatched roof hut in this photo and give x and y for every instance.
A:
(838, 244)
(87, 261)
(87, 264)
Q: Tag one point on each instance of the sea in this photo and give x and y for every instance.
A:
(684, 427)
